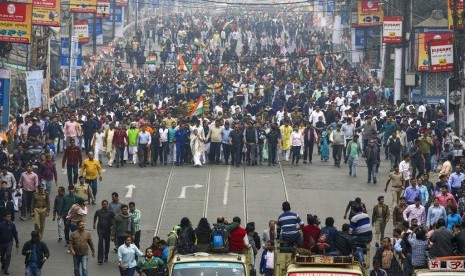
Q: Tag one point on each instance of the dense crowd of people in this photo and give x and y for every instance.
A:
(248, 88)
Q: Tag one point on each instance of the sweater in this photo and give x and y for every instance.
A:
(120, 226)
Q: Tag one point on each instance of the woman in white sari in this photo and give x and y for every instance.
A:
(197, 147)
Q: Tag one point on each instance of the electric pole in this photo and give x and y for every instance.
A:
(94, 34)
(457, 54)
(405, 23)
(113, 18)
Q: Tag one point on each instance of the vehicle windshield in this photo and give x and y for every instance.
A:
(208, 269)
(318, 273)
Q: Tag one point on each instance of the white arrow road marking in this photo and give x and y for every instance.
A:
(130, 188)
(183, 190)
(226, 186)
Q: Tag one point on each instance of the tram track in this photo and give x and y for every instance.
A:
(163, 202)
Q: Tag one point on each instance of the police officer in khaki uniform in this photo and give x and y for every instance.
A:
(84, 191)
(41, 209)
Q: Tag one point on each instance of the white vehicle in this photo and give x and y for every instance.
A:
(317, 265)
(206, 264)
(443, 266)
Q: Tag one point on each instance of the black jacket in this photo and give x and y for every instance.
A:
(202, 235)
(10, 208)
(42, 251)
(344, 243)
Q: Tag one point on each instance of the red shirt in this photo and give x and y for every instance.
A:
(120, 138)
(236, 240)
(310, 231)
(73, 156)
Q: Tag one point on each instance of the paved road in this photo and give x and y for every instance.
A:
(252, 193)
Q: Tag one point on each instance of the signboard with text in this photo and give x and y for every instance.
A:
(81, 30)
(423, 44)
(64, 54)
(15, 22)
(46, 13)
(118, 15)
(83, 6)
(103, 9)
(442, 56)
(5, 75)
(392, 29)
(369, 13)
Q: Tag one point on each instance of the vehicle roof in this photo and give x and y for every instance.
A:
(354, 269)
(208, 257)
(426, 272)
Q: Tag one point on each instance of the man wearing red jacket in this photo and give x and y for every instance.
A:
(238, 240)
(120, 142)
(73, 160)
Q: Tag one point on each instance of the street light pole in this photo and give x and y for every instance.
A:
(137, 15)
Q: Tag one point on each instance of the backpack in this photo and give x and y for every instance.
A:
(220, 239)
(184, 244)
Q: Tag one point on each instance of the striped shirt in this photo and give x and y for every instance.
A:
(360, 224)
(287, 223)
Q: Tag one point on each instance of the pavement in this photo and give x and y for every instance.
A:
(165, 194)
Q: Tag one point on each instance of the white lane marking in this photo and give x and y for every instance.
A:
(130, 188)
(183, 190)
(226, 186)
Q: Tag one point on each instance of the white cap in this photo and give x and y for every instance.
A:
(442, 101)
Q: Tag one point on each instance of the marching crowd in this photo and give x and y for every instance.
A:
(242, 96)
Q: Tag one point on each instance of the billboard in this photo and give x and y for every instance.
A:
(34, 81)
(423, 44)
(5, 75)
(392, 29)
(103, 9)
(369, 13)
(98, 30)
(118, 15)
(83, 6)
(441, 56)
(46, 13)
(81, 30)
(64, 54)
(15, 22)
